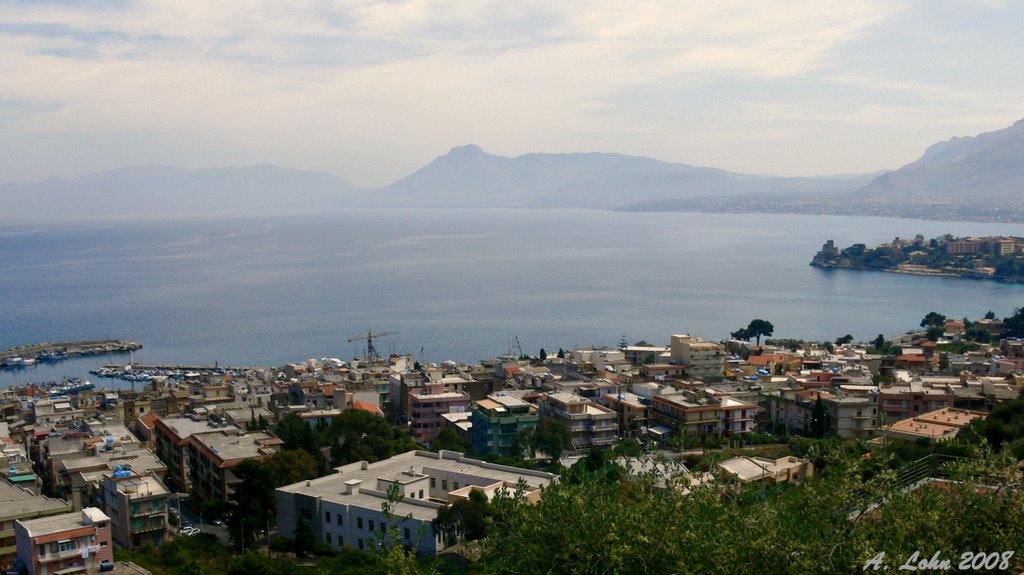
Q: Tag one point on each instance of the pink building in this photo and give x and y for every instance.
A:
(76, 542)
(426, 406)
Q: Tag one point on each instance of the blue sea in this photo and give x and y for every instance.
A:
(454, 284)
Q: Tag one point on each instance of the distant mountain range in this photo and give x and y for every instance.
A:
(469, 177)
(969, 178)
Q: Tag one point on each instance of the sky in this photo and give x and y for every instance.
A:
(371, 91)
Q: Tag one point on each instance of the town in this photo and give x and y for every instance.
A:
(992, 258)
(387, 459)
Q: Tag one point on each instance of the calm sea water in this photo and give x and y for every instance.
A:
(456, 283)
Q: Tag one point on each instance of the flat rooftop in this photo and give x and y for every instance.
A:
(230, 447)
(64, 522)
(17, 502)
(421, 464)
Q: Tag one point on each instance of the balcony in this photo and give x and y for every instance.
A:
(149, 528)
(59, 555)
(146, 511)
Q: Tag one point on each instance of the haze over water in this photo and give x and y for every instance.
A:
(456, 283)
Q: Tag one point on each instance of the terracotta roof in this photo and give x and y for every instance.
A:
(367, 407)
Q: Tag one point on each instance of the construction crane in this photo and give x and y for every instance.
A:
(371, 352)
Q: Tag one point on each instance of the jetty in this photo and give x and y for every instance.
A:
(17, 356)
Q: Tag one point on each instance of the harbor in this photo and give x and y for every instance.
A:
(26, 355)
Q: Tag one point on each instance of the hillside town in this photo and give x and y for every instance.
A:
(90, 471)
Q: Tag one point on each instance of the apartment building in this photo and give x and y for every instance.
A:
(344, 509)
(426, 405)
(685, 416)
(498, 420)
(590, 424)
(212, 455)
(703, 359)
(17, 503)
(171, 435)
(630, 412)
(73, 542)
(137, 507)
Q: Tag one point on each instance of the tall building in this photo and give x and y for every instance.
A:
(590, 424)
(703, 359)
(497, 422)
(18, 503)
(137, 507)
(426, 405)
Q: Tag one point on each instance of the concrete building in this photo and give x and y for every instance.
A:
(171, 437)
(686, 417)
(630, 412)
(936, 426)
(212, 455)
(766, 471)
(344, 509)
(137, 507)
(703, 359)
(497, 422)
(590, 424)
(17, 503)
(426, 405)
(909, 399)
(73, 542)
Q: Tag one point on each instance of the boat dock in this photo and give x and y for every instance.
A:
(17, 356)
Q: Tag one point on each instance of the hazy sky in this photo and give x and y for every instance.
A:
(373, 90)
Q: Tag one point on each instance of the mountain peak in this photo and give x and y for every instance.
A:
(468, 150)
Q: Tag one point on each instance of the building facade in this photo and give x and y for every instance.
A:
(497, 422)
(65, 543)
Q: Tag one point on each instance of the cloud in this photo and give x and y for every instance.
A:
(329, 84)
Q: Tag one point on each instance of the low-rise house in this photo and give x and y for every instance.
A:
(747, 470)
(936, 426)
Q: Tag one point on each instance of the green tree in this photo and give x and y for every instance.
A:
(1015, 323)
(934, 333)
(357, 435)
(288, 466)
(253, 503)
(759, 328)
(990, 314)
(561, 353)
(943, 361)
(819, 419)
(450, 440)
(552, 437)
(933, 319)
(844, 340)
(543, 354)
(296, 434)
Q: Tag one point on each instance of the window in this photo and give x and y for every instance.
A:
(455, 485)
(327, 538)
(433, 483)
(338, 517)
(360, 544)
(359, 525)
(327, 516)
(407, 534)
(341, 541)
(444, 484)
(306, 514)
(421, 494)
(383, 527)
(371, 525)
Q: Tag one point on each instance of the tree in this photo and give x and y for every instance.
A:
(1015, 323)
(357, 435)
(943, 361)
(934, 333)
(819, 419)
(933, 319)
(759, 328)
(296, 434)
(450, 440)
(552, 437)
(990, 314)
(464, 519)
(561, 353)
(543, 355)
(253, 503)
(742, 334)
(844, 340)
(289, 466)
(879, 342)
